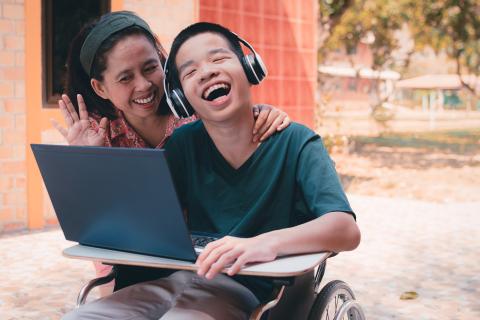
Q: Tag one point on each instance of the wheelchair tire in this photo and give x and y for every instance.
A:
(329, 301)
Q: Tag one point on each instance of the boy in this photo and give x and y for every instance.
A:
(276, 198)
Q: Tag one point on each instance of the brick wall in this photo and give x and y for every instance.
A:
(165, 17)
(283, 32)
(12, 116)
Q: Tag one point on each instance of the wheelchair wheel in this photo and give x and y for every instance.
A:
(330, 300)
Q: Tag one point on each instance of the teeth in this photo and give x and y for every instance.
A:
(214, 87)
(146, 100)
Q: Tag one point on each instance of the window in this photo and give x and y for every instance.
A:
(352, 85)
(62, 19)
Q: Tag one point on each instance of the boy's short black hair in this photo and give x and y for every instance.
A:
(191, 31)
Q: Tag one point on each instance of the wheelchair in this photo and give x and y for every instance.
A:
(300, 297)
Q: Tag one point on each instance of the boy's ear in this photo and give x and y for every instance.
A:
(99, 88)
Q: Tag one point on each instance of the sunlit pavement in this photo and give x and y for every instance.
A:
(430, 248)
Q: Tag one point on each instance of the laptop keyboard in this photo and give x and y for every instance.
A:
(201, 241)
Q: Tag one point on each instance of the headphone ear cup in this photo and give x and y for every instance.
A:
(181, 104)
(259, 67)
(249, 70)
(253, 69)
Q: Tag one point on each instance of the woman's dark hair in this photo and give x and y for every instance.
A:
(78, 81)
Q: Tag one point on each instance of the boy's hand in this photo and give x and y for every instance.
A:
(235, 253)
(268, 120)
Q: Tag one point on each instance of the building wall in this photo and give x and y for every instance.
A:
(283, 32)
(12, 116)
(165, 17)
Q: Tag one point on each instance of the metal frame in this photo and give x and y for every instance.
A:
(350, 307)
(82, 295)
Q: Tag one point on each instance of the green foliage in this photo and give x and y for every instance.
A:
(332, 8)
(372, 21)
(463, 142)
(335, 143)
(450, 26)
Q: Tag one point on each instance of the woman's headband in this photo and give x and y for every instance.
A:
(115, 22)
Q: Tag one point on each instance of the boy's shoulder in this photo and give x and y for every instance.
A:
(300, 128)
(298, 131)
(187, 131)
(190, 132)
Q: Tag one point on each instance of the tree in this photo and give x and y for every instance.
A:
(345, 24)
(374, 22)
(450, 26)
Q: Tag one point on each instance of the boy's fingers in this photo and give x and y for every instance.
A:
(211, 260)
(225, 259)
(237, 266)
(102, 126)
(206, 251)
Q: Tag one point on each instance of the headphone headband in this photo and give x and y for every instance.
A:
(255, 54)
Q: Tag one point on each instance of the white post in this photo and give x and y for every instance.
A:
(440, 99)
(432, 110)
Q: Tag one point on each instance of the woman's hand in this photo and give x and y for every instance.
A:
(235, 253)
(79, 130)
(268, 120)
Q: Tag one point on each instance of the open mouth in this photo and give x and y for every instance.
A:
(145, 100)
(216, 91)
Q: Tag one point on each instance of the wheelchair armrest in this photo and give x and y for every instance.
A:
(275, 298)
(82, 296)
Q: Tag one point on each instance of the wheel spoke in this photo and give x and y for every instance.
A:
(331, 300)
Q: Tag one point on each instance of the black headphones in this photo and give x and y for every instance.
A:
(252, 64)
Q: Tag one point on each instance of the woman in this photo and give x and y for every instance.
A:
(115, 92)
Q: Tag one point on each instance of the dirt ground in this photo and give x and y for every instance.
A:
(413, 173)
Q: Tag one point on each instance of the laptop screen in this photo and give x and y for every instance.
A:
(115, 198)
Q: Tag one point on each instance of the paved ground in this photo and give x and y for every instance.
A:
(407, 245)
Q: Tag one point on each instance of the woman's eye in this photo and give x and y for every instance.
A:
(125, 79)
(151, 68)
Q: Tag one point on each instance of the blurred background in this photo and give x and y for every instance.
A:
(393, 87)
(398, 91)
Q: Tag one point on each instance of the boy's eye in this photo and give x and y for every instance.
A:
(219, 59)
(188, 73)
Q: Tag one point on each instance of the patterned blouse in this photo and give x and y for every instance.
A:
(121, 134)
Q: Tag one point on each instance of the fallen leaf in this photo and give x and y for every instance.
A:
(409, 295)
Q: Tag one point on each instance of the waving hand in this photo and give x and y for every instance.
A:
(79, 131)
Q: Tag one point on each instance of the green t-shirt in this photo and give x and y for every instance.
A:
(290, 179)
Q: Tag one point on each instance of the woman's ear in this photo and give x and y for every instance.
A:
(99, 88)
